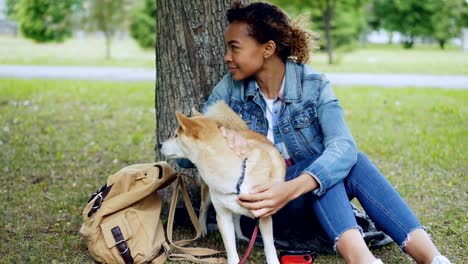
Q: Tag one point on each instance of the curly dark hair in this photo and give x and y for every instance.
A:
(268, 22)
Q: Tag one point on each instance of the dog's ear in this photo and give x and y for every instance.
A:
(190, 126)
(195, 112)
(182, 119)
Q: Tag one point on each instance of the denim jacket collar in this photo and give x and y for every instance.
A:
(292, 91)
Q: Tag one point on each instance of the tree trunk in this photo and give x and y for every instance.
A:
(108, 40)
(408, 42)
(390, 38)
(327, 19)
(189, 61)
(441, 43)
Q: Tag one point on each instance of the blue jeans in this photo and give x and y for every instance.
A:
(366, 183)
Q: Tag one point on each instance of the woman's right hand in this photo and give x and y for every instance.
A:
(235, 141)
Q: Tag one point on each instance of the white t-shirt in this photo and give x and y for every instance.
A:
(269, 111)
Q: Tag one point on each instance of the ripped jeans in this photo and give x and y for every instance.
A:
(366, 183)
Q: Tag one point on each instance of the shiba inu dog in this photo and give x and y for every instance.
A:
(225, 173)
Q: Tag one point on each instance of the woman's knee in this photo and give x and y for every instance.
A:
(364, 168)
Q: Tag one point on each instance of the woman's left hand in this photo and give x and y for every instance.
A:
(266, 199)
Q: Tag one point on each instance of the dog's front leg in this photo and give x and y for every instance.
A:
(226, 227)
(204, 205)
(266, 228)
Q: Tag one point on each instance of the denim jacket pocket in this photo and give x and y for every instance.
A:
(305, 123)
(240, 108)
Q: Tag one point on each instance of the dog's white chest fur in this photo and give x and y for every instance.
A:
(224, 193)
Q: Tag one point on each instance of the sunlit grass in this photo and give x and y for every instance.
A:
(59, 140)
(86, 51)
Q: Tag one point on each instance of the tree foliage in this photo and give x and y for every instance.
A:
(438, 19)
(11, 6)
(463, 19)
(143, 25)
(44, 20)
(106, 16)
(338, 22)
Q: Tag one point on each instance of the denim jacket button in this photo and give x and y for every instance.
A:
(286, 130)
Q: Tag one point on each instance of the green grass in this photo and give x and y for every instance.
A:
(395, 59)
(89, 51)
(59, 140)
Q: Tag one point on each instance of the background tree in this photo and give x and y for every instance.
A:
(338, 22)
(44, 20)
(106, 16)
(11, 8)
(189, 59)
(462, 23)
(443, 26)
(143, 26)
(436, 19)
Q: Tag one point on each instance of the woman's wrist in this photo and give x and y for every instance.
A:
(302, 184)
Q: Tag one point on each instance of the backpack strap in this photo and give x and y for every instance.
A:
(187, 253)
(100, 194)
(122, 246)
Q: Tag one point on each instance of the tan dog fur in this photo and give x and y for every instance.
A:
(199, 139)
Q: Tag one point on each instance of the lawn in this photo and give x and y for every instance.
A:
(59, 140)
(86, 51)
(395, 59)
(125, 52)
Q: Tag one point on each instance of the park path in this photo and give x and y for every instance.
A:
(145, 74)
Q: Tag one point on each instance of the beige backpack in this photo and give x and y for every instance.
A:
(122, 219)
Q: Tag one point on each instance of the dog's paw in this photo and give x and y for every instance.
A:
(273, 260)
(204, 230)
(204, 233)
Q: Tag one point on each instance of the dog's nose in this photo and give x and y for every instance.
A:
(159, 145)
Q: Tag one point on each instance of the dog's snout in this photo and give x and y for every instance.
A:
(159, 145)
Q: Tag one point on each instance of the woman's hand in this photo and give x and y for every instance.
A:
(267, 199)
(235, 141)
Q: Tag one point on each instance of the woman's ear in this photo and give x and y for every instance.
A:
(269, 50)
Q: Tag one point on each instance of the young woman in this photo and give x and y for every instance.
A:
(277, 95)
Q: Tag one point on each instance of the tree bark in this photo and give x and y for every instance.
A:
(189, 61)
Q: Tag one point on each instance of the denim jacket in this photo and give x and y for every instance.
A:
(310, 122)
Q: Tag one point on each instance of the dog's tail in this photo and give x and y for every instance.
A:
(225, 116)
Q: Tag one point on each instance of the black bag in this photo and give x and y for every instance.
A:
(309, 235)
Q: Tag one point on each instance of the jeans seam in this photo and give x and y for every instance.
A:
(379, 207)
(319, 207)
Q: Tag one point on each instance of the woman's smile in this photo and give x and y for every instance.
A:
(232, 70)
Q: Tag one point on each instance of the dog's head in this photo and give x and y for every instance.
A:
(192, 135)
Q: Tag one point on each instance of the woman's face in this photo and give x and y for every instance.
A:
(244, 55)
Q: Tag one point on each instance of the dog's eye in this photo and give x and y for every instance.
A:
(175, 136)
